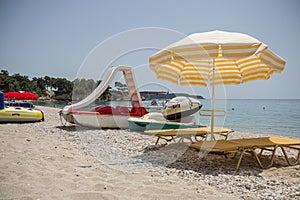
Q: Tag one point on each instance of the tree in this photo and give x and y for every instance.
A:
(39, 86)
(121, 87)
(5, 81)
(15, 82)
(24, 83)
(63, 88)
(82, 88)
(106, 96)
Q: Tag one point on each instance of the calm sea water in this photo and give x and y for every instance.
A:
(278, 117)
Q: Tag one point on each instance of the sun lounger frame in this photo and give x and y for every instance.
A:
(240, 149)
(198, 134)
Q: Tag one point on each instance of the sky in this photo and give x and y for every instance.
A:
(59, 38)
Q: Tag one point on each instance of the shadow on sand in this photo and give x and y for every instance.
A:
(180, 157)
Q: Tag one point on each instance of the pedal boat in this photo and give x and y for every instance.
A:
(156, 121)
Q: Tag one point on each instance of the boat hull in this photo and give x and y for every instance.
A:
(174, 115)
(102, 121)
(152, 121)
(19, 114)
(142, 126)
(180, 107)
(104, 117)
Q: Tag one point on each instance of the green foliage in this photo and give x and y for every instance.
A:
(107, 93)
(84, 87)
(121, 87)
(15, 82)
(63, 88)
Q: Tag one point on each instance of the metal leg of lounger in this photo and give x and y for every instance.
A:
(298, 157)
(227, 155)
(202, 137)
(242, 155)
(164, 138)
(225, 135)
(256, 157)
(273, 155)
(235, 154)
(261, 151)
(181, 139)
(172, 138)
(286, 156)
(284, 153)
(240, 159)
(158, 137)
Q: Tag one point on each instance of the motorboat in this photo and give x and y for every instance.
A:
(176, 114)
(154, 106)
(180, 107)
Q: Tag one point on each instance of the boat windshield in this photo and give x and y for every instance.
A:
(178, 99)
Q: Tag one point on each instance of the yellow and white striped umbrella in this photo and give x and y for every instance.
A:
(214, 58)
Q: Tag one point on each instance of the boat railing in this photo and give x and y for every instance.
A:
(217, 113)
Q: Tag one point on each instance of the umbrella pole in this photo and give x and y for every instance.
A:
(212, 137)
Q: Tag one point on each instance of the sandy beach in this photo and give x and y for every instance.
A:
(46, 160)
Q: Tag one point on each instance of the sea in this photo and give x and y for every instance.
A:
(263, 116)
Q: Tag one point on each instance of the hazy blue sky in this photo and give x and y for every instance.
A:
(54, 37)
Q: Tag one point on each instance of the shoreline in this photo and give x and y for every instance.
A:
(279, 118)
(46, 161)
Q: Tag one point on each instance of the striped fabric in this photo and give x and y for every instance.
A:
(170, 72)
(237, 60)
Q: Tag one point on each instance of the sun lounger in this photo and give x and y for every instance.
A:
(250, 145)
(187, 133)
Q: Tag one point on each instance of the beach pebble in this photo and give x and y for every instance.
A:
(132, 152)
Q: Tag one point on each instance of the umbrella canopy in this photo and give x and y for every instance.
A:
(27, 96)
(216, 57)
(11, 95)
